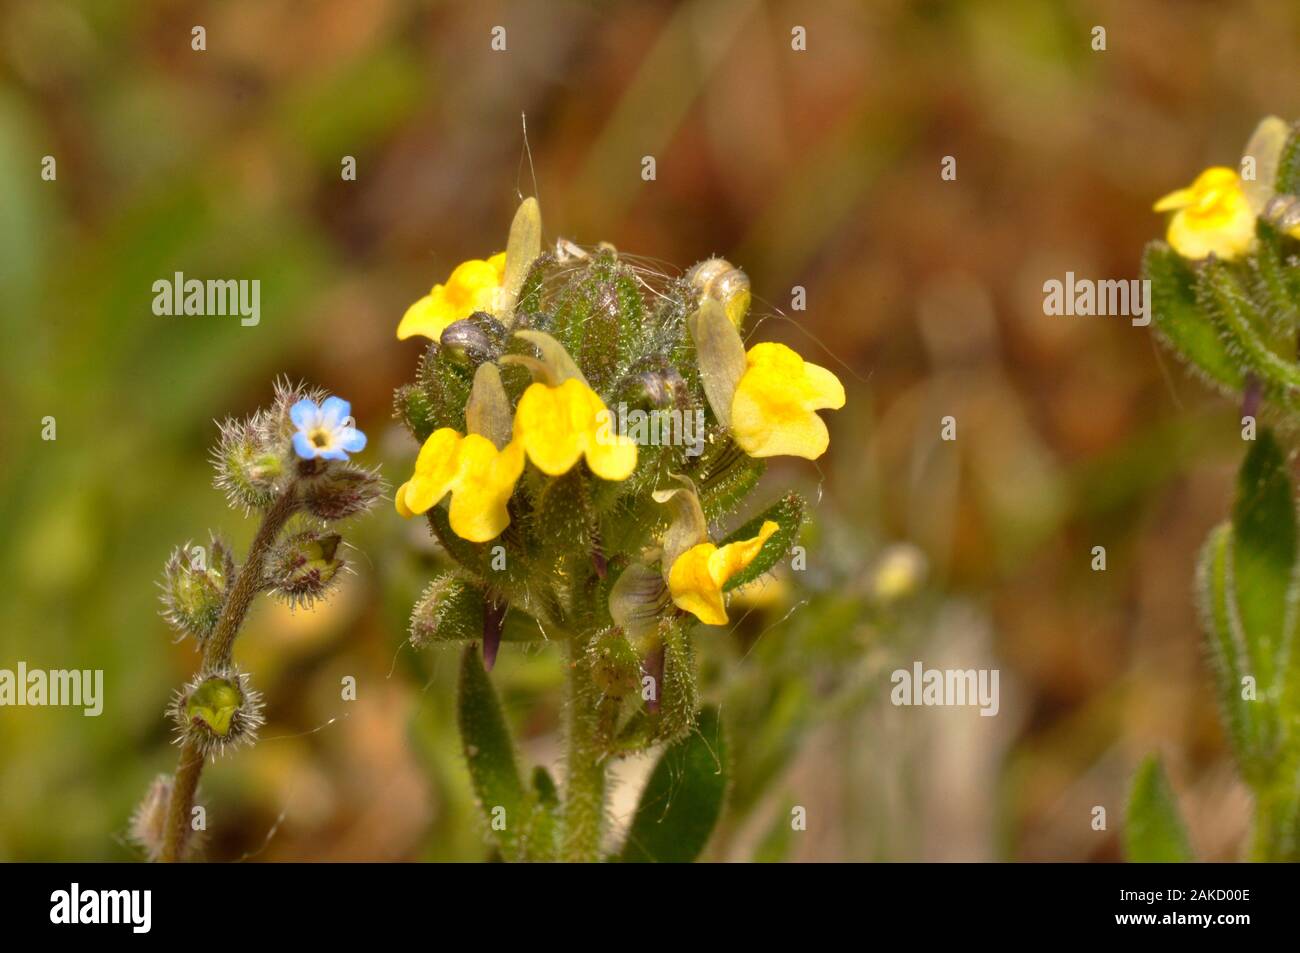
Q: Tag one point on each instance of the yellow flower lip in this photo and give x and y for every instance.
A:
(772, 411)
(557, 426)
(1211, 216)
(479, 478)
(696, 578)
(473, 285)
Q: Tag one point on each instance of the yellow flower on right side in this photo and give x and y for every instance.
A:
(697, 576)
(1211, 216)
(773, 409)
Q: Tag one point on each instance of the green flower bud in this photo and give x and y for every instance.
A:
(194, 587)
(450, 610)
(340, 492)
(303, 566)
(615, 665)
(248, 466)
(217, 710)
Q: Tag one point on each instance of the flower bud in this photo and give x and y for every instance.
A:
(248, 465)
(726, 284)
(341, 492)
(149, 822)
(615, 666)
(450, 610)
(302, 567)
(194, 587)
(475, 339)
(217, 710)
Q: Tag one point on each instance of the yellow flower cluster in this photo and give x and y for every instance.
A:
(769, 398)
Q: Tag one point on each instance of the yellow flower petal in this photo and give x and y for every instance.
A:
(474, 285)
(484, 485)
(696, 578)
(399, 500)
(436, 470)
(1212, 216)
(772, 412)
(544, 425)
(479, 478)
(558, 425)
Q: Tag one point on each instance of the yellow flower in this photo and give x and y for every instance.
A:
(1211, 216)
(479, 478)
(696, 578)
(559, 425)
(772, 410)
(475, 285)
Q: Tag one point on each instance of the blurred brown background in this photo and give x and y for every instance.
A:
(816, 168)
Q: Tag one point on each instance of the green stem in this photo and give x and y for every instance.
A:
(216, 653)
(1274, 837)
(584, 796)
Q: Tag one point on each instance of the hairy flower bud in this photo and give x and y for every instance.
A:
(450, 610)
(248, 465)
(216, 710)
(302, 567)
(194, 587)
(149, 820)
(341, 492)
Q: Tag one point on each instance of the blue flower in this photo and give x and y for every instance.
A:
(325, 430)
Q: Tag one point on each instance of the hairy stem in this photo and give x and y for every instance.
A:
(584, 797)
(217, 653)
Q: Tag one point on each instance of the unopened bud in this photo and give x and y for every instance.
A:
(149, 822)
(304, 565)
(248, 465)
(722, 281)
(194, 587)
(475, 339)
(341, 492)
(450, 610)
(218, 709)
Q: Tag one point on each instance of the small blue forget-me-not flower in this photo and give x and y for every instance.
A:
(325, 430)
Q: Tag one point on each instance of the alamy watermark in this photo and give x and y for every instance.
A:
(653, 428)
(75, 688)
(131, 907)
(1130, 297)
(216, 296)
(946, 687)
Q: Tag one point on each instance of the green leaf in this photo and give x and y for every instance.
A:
(683, 799)
(1180, 321)
(1153, 830)
(490, 754)
(1264, 556)
(1288, 167)
(544, 825)
(1244, 330)
(787, 513)
(1222, 625)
